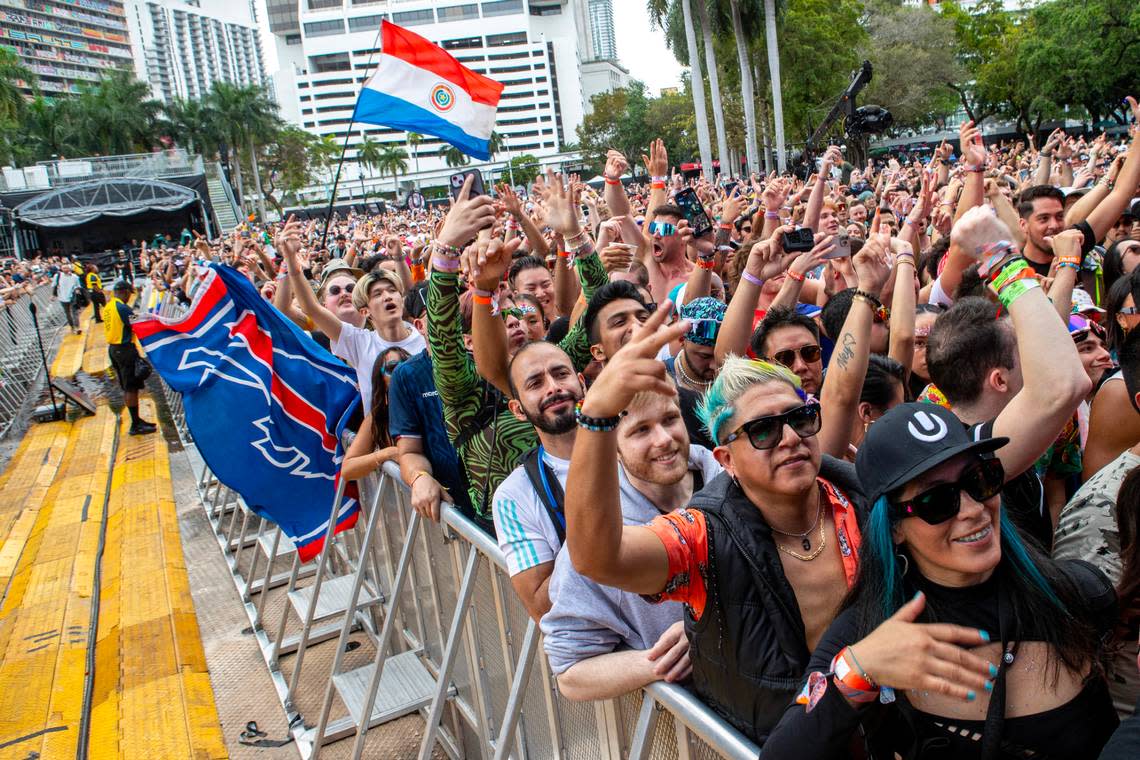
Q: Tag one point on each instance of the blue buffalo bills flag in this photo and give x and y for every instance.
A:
(420, 87)
(265, 403)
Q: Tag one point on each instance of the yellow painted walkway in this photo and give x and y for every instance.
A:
(151, 695)
(69, 360)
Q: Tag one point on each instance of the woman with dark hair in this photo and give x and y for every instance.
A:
(958, 639)
(924, 316)
(373, 446)
(1122, 314)
(529, 312)
(1120, 259)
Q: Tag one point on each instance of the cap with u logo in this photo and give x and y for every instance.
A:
(912, 439)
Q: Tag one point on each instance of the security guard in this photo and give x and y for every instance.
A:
(94, 284)
(124, 355)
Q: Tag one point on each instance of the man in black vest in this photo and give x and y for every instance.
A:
(764, 554)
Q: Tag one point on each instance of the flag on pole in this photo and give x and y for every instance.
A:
(420, 87)
(265, 403)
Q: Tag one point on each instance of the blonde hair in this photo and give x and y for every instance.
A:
(362, 293)
(736, 377)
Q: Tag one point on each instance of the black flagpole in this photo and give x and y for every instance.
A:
(344, 145)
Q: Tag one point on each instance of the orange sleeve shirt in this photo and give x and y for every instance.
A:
(685, 536)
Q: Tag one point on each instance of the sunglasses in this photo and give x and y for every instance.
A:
(1128, 311)
(703, 329)
(936, 505)
(336, 290)
(1080, 327)
(664, 229)
(808, 354)
(765, 432)
(390, 366)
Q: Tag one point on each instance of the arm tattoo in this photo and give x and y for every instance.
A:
(847, 353)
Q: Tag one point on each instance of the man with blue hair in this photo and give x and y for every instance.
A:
(761, 558)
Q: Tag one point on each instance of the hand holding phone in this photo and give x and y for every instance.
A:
(694, 211)
(456, 183)
(798, 241)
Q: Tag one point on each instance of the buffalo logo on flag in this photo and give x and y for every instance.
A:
(266, 405)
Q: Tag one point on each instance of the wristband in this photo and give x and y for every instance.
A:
(563, 254)
(612, 181)
(658, 179)
(656, 185)
(974, 168)
(749, 277)
(445, 264)
(992, 254)
(706, 264)
(795, 276)
(480, 293)
(1015, 290)
(850, 679)
(596, 424)
(725, 225)
(484, 300)
(1075, 260)
(771, 214)
(1008, 273)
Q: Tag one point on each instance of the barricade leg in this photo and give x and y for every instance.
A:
(518, 688)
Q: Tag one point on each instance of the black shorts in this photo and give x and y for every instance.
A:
(123, 359)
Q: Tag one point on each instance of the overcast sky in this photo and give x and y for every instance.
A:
(642, 50)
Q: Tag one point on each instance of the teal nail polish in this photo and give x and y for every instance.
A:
(989, 685)
(985, 635)
(993, 670)
(971, 696)
(917, 595)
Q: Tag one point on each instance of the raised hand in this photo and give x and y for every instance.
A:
(775, 193)
(509, 200)
(616, 257)
(488, 260)
(562, 211)
(903, 654)
(970, 144)
(702, 245)
(975, 229)
(635, 367)
(733, 205)
(657, 162)
(467, 216)
(871, 265)
(616, 165)
(809, 260)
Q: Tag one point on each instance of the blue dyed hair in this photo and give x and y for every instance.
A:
(878, 557)
(736, 376)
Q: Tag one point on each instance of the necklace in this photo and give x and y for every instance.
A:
(804, 537)
(807, 544)
(679, 365)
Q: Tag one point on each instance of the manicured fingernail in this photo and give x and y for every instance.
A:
(984, 634)
(993, 670)
(917, 596)
(989, 685)
(971, 696)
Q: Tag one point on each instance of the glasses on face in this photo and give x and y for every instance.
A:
(1080, 327)
(809, 354)
(390, 366)
(936, 505)
(664, 229)
(336, 290)
(765, 432)
(1128, 311)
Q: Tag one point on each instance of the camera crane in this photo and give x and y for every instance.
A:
(859, 121)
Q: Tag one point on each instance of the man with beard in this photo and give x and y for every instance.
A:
(527, 505)
(601, 641)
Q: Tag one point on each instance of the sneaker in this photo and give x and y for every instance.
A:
(142, 428)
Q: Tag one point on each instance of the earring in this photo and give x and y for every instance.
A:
(905, 563)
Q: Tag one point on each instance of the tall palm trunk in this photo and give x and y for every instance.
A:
(746, 92)
(714, 85)
(235, 167)
(697, 82)
(774, 75)
(257, 181)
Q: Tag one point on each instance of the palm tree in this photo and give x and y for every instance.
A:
(368, 155)
(774, 75)
(249, 117)
(697, 84)
(453, 156)
(414, 139)
(48, 128)
(392, 160)
(714, 85)
(117, 115)
(193, 124)
(13, 105)
(496, 143)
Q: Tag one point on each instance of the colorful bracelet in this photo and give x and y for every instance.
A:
(1069, 265)
(596, 424)
(658, 179)
(445, 264)
(749, 277)
(484, 300)
(448, 251)
(993, 254)
(612, 181)
(871, 298)
(849, 677)
(795, 276)
(1008, 273)
(562, 254)
(1016, 290)
(656, 185)
(725, 225)
(771, 214)
(1074, 260)
(974, 168)
(480, 293)
(706, 264)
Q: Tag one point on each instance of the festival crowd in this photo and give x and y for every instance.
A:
(854, 458)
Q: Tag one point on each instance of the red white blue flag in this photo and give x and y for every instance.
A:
(266, 404)
(420, 87)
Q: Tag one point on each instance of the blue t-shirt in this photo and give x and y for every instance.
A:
(414, 410)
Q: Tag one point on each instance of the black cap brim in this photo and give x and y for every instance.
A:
(985, 446)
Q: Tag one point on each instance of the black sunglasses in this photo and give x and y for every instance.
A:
(765, 432)
(809, 354)
(936, 505)
(335, 290)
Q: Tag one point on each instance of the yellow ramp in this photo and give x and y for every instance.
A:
(46, 611)
(152, 695)
(95, 359)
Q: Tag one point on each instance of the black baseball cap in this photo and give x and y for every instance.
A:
(912, 439)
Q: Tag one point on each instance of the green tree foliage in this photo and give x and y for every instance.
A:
(626, 120)
(524, 169)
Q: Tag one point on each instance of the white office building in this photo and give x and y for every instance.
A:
(539, 49)
(181, 47)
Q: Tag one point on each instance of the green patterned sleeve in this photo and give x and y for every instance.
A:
(456, 379)
(592, 275)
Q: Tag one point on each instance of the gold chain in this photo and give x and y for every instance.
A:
(814, 554)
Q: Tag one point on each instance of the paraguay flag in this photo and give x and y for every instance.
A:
(420, 87)
(265, 403)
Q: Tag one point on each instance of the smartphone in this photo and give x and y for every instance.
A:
(457, 180)
(842, 248)
(694, 211)
(799, 241)
(729, 187)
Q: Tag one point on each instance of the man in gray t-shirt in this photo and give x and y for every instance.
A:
(600, 641)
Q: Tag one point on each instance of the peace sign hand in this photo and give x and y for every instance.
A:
(635, 367)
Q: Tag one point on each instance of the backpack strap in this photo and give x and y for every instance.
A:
(548, 488)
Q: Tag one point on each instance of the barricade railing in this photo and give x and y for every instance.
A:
(451, 639)
(21, 367)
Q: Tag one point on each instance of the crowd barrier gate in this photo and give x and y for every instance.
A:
(452, 641)
(20, 361)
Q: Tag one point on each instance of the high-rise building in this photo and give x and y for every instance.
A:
(603, 46)
(599, 70)
(181, 47)
(67, 43)
(327, 48)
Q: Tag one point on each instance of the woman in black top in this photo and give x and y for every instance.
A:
(958, 640)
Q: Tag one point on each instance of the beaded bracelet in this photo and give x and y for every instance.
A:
(574, 242)
(871, 297)
(749, 277)
(448, 251)
(1069, 265)
(596, 424)
(795, 276)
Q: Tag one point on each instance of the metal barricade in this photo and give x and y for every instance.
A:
(447, 602)
(21, 367)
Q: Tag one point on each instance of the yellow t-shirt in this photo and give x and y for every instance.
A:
(117, 322)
